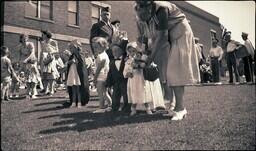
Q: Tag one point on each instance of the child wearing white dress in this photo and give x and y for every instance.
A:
(100, 46)
(136, 83)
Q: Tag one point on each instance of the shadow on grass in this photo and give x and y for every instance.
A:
(55, 102)
(83, 121)
(45, 110)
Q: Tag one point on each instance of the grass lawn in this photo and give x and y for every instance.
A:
(219, 117)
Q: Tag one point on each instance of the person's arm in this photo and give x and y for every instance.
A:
(9, 66)
(100, 65)
(161, 33)
(32, 53)
(221, 53)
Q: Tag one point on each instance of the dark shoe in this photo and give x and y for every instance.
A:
(126, 109)
(43, 91)
(6, 99)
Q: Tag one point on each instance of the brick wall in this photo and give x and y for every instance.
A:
(201, 22)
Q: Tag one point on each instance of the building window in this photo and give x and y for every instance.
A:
(39, 9)
(213, 34)
(73, 13)
(96, 10)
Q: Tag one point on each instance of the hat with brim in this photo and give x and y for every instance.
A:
(244, 34)
(105, 9)
(228, 33)
(144, 2)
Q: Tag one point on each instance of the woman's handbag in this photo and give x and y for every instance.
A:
(151, 72)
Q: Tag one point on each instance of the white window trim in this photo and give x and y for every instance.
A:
(77, 15)
(39, 10)
(100, 4)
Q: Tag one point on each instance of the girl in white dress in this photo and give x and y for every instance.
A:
(136, 83)
(73, 79)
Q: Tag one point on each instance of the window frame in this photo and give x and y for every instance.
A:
(38, 11)
(99, 5)
(76, 13)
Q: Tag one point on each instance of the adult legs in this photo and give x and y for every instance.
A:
(233, 62)
(179, 93)
(214, 69)
(246, 69)
(229, 64)
(168, 94)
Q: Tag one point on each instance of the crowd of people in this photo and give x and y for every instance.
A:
(239, 59)
(165, 50)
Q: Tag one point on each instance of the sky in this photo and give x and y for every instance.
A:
(236, 16)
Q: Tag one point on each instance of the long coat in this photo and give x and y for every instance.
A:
(83, 75)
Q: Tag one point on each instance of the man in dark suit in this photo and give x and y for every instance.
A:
(117, 79)
(103, 28)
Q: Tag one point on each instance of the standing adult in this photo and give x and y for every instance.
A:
(171, 42)
(231, 57)
(248, 59)
(24, 51)
(47, 63)
(104, 29)
(216, 54)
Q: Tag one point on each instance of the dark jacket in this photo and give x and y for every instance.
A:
(83, 75)
(100, 29)
(115, 75)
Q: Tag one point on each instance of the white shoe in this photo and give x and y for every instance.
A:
(79, 105)
(179, 115)
(133, 112)
(73, 105)
(149, 112)
(218, 83)
(108, 109)
(33, 97)
(99, 111)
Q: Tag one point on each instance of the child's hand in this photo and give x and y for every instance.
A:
(142, 65)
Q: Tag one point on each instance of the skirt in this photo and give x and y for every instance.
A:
(183, 63)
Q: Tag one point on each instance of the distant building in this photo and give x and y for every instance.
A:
(69, 20)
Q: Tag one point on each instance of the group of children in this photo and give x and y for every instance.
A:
(25, 72)
(121, 77)
(124, 74)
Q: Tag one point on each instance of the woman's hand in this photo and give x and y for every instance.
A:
(130, 75)
(149, 60)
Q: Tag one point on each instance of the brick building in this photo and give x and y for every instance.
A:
(69, 20)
